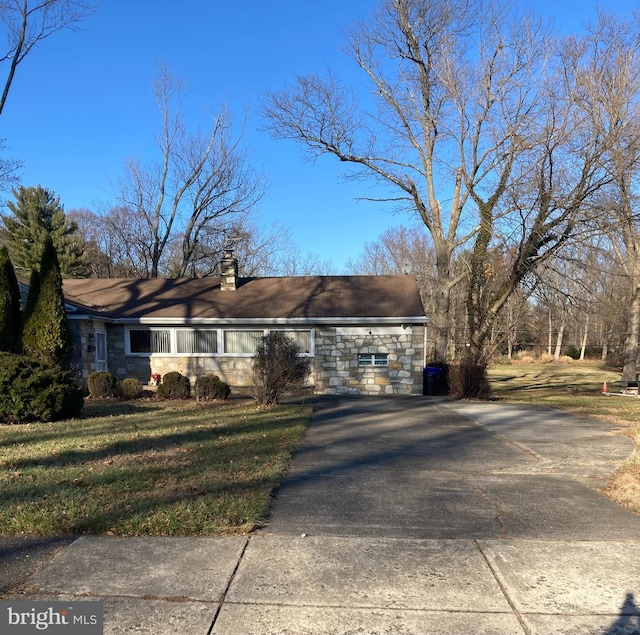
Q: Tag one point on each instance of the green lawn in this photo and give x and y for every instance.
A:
(147, 468)
(578, 388)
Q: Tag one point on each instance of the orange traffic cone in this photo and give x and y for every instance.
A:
(604, 388)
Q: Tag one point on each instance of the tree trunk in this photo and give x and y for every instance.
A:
(441, 320)
(584, 338)
(631, 344)
(559, 338)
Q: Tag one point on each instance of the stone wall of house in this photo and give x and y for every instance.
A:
(236, 371)
(82, 362)
(336, 362)
(335, 366)
(117, 361)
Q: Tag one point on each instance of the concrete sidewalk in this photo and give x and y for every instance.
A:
(398, 516)
(338, 585)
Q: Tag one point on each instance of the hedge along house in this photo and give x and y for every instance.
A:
(365, 334)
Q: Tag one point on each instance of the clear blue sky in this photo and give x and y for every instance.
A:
(82, 103)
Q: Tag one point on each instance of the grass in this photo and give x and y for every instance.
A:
(577, 388)
(147, 468)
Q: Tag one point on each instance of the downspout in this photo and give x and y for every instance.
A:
(424, 347)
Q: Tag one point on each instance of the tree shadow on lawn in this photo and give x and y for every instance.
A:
(208, 434)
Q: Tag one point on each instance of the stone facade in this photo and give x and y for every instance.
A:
(335, 365)
(336, 360)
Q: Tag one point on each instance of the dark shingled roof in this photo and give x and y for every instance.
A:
(255, 298)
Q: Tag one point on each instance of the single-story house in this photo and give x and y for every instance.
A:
(364, 334)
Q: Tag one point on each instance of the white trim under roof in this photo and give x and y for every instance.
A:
(301, 321)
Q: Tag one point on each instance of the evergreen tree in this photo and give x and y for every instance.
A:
(10, 310)
(37, 213)
(32, 295)
(46, 334)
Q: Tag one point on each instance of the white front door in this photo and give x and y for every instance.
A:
(101, 350)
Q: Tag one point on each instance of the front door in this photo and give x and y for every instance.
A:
(101, 350)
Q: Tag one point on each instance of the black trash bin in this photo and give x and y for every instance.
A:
(431, 380)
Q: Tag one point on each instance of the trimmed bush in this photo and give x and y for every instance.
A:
(174, 386)
(212, 387)
(130, 388)
(102, 384)
(45, 332)
(545, 358)
(31, 390)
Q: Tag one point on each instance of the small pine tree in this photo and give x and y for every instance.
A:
(46, 333)
(10, 310)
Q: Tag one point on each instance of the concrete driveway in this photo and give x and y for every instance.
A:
(433, 468)
(416, 516)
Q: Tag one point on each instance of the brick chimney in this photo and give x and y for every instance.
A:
(229, 271)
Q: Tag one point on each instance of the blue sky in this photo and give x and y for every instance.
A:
(82, 103)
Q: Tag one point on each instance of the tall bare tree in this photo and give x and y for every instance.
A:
(452, 98)
(200, 179)
(611, 62)
(26, 23)
(23, 24)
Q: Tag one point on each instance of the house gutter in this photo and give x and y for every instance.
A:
(413, 320)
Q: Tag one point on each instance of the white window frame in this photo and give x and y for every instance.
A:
(127, 341)
(241, 330)
(373, 360)
(174, 344)
(220, 339)
(310, 353)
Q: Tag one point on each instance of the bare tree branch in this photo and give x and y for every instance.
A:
(28, 22)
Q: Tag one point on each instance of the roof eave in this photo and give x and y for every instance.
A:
(414, 319)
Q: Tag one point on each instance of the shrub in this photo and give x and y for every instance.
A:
(565, 359)
(545, 358)
(278, 368)
(31, 390)
(526, 359)
(468, 380)
(130, 388)
(212, 387)
(174, 386)
(102, 384)
(573, 352)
